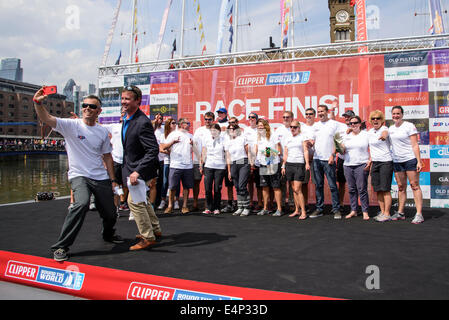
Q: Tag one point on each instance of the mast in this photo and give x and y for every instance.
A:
(182, 28)
(236, 25)
(133, 32)
(111, 33)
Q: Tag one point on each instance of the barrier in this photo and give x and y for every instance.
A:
(98, 283)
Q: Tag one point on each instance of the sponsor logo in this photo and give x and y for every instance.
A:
(438, 70)
(67, 279)
(439, 165)
(413, 85)
(169, 98)
(439, 138)
(424, 151)
(144, 291)
(405, 59)
(406, 73)
(439, 192)
(438, 125)
(288, 78)
(438, 84)
(272, 79)
(251, 80)
(411, 112)
(439, 178)
(439, 151)
(407, 99)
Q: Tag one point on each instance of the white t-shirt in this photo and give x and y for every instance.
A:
(251, 138)
(85, 147)
(295, 148)
(115, 129)
(181, 152)
(379, 149)
(215, 152)
(401, 145)
(200, 135)
(356, 147)
(236, 147)
(324, 138)
(159, 133)
(167, 156)
(262, 144)
(281, 134)
(309, 134)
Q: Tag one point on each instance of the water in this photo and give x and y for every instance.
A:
(22, 177)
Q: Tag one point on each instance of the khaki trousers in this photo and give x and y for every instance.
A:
(145, 217)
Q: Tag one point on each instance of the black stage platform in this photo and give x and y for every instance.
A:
(322, 256)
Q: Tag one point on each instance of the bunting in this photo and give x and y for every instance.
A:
(196, 4)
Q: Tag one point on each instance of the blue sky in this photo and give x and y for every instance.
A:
(54, 47)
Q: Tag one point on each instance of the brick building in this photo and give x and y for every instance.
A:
(17, 115)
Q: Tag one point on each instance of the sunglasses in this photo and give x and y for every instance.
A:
(294, 127)
(174, 122)
(133, 89)
(252, 117)
(309, 114)
(354, 123)
(208, 119)
(375, 119)
(232, 122)
(89, 105)
(286, 117)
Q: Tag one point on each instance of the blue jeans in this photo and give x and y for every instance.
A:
(321, 168)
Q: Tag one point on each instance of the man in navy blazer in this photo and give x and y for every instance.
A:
(140, 164)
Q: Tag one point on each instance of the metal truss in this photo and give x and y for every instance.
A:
(352, 48)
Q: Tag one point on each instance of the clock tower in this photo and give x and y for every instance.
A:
(342, 21)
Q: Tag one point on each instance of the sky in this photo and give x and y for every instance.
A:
(58, 40)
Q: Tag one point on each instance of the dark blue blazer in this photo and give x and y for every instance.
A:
(140, 148)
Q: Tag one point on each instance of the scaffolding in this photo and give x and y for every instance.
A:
(352, 48)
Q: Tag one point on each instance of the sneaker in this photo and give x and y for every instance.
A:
(161, 205)
(418, 219)
(114, 239)
(337, 215)
(92, 207)
(316, 214)
(217, 211)
(60, 255)
(263, 212)
(245, 212)
(176, 205)
(398, 216)
(123, 207)
(228, 208)
(207, 211)
(277, 213)
(382, 218)
(238, 212)
(131, 217)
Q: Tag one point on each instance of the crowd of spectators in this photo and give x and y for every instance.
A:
(31, 144)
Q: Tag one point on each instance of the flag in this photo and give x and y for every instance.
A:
(437, 21)
(352, 3)
(173, 48)
(231, 28)
(119, 57)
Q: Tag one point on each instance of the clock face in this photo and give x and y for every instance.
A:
(342, 16)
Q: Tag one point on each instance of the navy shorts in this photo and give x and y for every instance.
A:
(175, 176)
(381, 175)
(409, 165)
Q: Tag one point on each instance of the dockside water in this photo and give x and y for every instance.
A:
(23, 176)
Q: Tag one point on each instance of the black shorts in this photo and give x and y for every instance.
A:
(272, 180)
(118, 173)
(295, 171)
(340, 172)
(381, 175)
(409, 165)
